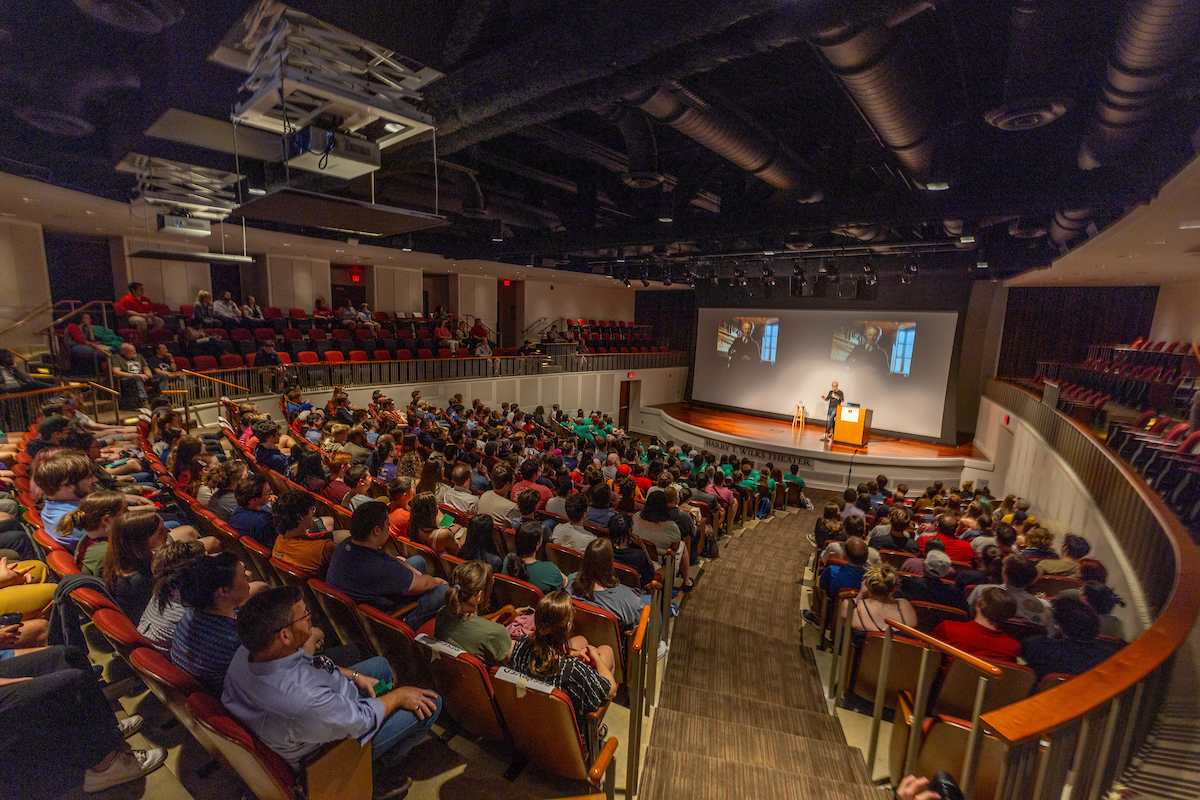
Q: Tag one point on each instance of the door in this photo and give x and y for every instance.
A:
(510, 312)
(623, 407)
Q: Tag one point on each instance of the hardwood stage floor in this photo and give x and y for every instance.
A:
(769, 431)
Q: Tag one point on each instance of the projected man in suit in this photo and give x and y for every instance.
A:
(745, 350)
(870, 354)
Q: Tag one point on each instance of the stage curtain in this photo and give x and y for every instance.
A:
(1058, 324)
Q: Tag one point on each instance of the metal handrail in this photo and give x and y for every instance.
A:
(83, 308)
(635, 681)
(218, 380)
(187, 406)
(27, 318)
(116, 403)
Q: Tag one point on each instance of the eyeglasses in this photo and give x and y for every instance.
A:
(307, 615)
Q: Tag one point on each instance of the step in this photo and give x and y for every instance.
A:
(757, 673)
(751, 745)
(759, 713)
(670, 774)
(766, 622)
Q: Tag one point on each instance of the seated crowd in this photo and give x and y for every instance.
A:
(1006, 594)
(165, 524)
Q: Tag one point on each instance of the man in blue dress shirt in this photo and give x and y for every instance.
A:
(295, 702)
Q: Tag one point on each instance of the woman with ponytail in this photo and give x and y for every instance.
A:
(165, 609)
(524, 564)
(596, 584)
(583, 672)
(459, 622)
(95, 517)
(127, 572)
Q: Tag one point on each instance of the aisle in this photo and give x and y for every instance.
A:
(742, 711)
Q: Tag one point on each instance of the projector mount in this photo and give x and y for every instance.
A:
(182, 189)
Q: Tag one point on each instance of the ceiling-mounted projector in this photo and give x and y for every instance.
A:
(331, 153)
(184, 226)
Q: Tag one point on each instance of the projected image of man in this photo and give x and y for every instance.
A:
(746, 349)
(870, 354)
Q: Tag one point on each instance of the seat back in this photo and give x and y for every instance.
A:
(308, 357)
(943, 746)
(465, 686)
(894, 557)
(449, 562)
(628, 576)
(172, 686)
(120, 632)
(260, 558)
(541, 722)
(334, 357)
(957, 695)
(358, 355)
(566, 559)
(262, 770)
(433, 564)
(204, 363)
(930, 615)
(599, 627)
(341, 611)
(507, 590)
(62, 562)
(1020, 629)
(903, 669)
(393, 639)
(1051, 585)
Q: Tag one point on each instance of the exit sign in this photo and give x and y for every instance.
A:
(631, 375)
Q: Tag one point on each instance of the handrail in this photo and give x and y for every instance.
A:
(36, 312)
(639, 632)
(35, 392)
(86, 306)
(600, 765)
(937, 644)
(95, 385)
(116, 403)
(1066, 703)
(635, 680)
(218, 380)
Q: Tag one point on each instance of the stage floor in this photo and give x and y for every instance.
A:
(774, 432)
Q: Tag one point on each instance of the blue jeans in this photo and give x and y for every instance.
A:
(428, 603)
(401, 731)
(829, 420)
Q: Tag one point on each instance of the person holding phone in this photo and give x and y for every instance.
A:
(835, 397)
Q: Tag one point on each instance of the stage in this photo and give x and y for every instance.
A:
(824, 465)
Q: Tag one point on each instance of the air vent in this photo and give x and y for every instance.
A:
(1022, 115)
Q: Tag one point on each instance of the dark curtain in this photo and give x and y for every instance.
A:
(671, 312)
(80, 267)
(1058, 324)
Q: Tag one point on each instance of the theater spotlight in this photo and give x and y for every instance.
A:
(798, 267)
(626, 282)
(831, 273)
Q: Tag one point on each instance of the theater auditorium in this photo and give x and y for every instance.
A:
(683, 400)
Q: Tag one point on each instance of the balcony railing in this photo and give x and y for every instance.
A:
(1089, 726)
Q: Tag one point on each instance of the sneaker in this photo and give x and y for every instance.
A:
(127, 766)
(811, 618)
(130, 725)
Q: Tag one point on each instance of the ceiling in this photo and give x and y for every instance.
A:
(800, 127)
(1154, 245)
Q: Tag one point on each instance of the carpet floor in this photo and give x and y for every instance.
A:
(742, 711)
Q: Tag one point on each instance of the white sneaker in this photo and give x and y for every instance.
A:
(128, 765)
(130, 725)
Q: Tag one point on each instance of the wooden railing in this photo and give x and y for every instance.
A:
(1094, 722)
(19, 411)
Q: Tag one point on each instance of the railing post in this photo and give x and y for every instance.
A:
(668, 590)
(919, 703)
(885, 659)
(974, 740)
(655, 633)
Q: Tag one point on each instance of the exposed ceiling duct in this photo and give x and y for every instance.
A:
(641, 147)
(728, 137)
(1035, 90)
(868, 61)
(1155, 36)
(1069, 225)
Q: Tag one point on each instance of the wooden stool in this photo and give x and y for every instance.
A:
(798, 417)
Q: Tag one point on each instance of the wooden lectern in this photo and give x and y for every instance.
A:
(852, 426)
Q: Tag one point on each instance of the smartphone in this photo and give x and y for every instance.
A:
(12, 618)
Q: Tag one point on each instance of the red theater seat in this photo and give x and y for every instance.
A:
(205, 363)
(358, 355)
(382, 355)
(308, 357)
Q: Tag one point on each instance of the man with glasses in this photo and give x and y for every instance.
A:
(295, 702)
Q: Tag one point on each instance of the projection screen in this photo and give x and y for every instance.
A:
(894, 362)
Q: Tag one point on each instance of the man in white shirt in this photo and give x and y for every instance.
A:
(572, 534)
(227, 309)
(459, 496)
(496, 503)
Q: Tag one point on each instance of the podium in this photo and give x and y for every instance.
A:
(852, 426)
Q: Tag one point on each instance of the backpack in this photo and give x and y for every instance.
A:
(764, 508)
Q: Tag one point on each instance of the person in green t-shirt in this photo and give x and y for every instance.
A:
(458, 622)
(524, 565)
(792, 476)
(94, 516)
(583, 430)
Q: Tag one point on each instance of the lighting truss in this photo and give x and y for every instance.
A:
(301, 68)
(196, 191)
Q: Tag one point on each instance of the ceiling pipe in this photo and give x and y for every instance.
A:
(1069, 225)
(641, 147)
(728, 137)
(866, 59)
(1154, 38)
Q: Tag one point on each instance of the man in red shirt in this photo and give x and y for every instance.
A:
(479, 331)
(137, 308)
(958, 549)
(983, 637)
(531, 468)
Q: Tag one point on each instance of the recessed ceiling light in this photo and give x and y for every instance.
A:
(1158, 241)
(967, 239)
(7, 214)
(256, 192)
(984, 265)
(393, 127)
(90, 213)
(937, 186)
(286, 244)
(1190, 225)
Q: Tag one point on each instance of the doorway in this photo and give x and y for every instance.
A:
(510, 312)
(631, 397)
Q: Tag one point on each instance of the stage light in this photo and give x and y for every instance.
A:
(831, 273)
(407, 244)
(666, 207)
(645, 283)
(626, 282)
(911, 269)
(798, 267)
(981, 265)
(937, 186)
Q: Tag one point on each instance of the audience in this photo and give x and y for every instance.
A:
(205, 638)
(983, 636)
(524, 564)
(596, 583)
(1076, 651)
(571, 534)
(1018, 572)
(877, 601)
(459, 622)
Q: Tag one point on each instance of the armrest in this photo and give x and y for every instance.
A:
(403, 611)
(503, 616)
(340, 770)
(600, 765)
(597, 716)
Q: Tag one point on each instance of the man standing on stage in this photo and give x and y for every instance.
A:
(835, 398)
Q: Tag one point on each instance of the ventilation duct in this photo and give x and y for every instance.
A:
(868, 62)
(1155, 36)
(1069, 225)
(641, 147)
(146, 17)
(728, 137)
(1025, 229)
(1032, 96)
(65, 116)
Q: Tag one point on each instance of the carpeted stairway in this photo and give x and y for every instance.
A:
(742, 712)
